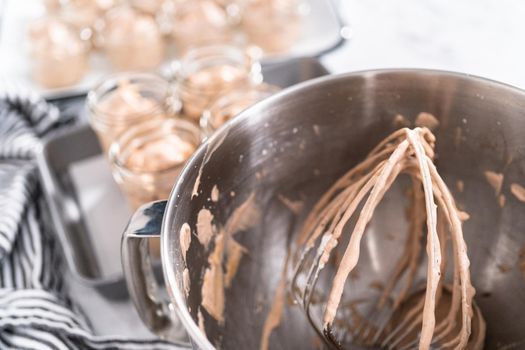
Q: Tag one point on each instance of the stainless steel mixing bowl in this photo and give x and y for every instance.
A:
(296, 144)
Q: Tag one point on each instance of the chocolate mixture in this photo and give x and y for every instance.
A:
(408, 152)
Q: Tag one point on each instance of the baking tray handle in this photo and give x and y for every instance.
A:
(136, 262)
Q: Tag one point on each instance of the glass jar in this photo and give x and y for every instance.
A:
(147, 6)
(125, 99)
(228, 106)
(81, 14)
(132, 40)
(199, 23)
(106, 5)
(147, 158)
(52, 6)
(209, 72)
(86, 16)
(273, 25)
(59, 56)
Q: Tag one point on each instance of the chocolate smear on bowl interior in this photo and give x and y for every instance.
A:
(400, 121)
(502, 200)
(518, 191)
(273, 319)
(214, 143)
(205, 228)
(460, 186)
(226, 249)
(213, 282)
(214, 194)
(185, 239)
(200, 321)
(186, 282)
(495, 180)
(295, 206)
(427, 120)
(235, 251)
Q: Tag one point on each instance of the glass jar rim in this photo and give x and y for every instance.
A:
(256, 94)
(116, 148)
(95, 95)
(209, 52)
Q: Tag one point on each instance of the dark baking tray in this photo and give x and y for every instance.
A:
(87, 208)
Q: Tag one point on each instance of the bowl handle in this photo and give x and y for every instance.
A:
(153, 310)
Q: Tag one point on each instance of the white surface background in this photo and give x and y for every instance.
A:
(482, 37)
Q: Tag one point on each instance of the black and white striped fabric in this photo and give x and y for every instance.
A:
(35, 312)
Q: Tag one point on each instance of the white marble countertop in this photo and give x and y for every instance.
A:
(483, 37)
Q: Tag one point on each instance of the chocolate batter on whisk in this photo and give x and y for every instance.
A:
(446, 316)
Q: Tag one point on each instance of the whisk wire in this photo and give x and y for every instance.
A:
(408, 152)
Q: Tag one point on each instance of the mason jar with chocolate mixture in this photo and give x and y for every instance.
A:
(132, 40)
(209, 72)
(147, 158)
(81, 14)
(228, 106)
(58, 55)
(273, 25)
(199, 23)
(125, 99)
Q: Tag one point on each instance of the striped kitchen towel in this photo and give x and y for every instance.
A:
(35, 311)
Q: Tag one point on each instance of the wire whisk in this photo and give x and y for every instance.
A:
(408, 314)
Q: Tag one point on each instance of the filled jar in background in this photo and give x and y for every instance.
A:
(58, 55)
(210, 72)
(147, 158)
(145, 35)
(132, 40)
(199, 23)
(126, 99)
(228, 106)
(273, 25)
(81, 14)
(148, 6)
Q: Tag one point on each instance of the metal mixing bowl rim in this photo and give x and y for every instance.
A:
(175, 293)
